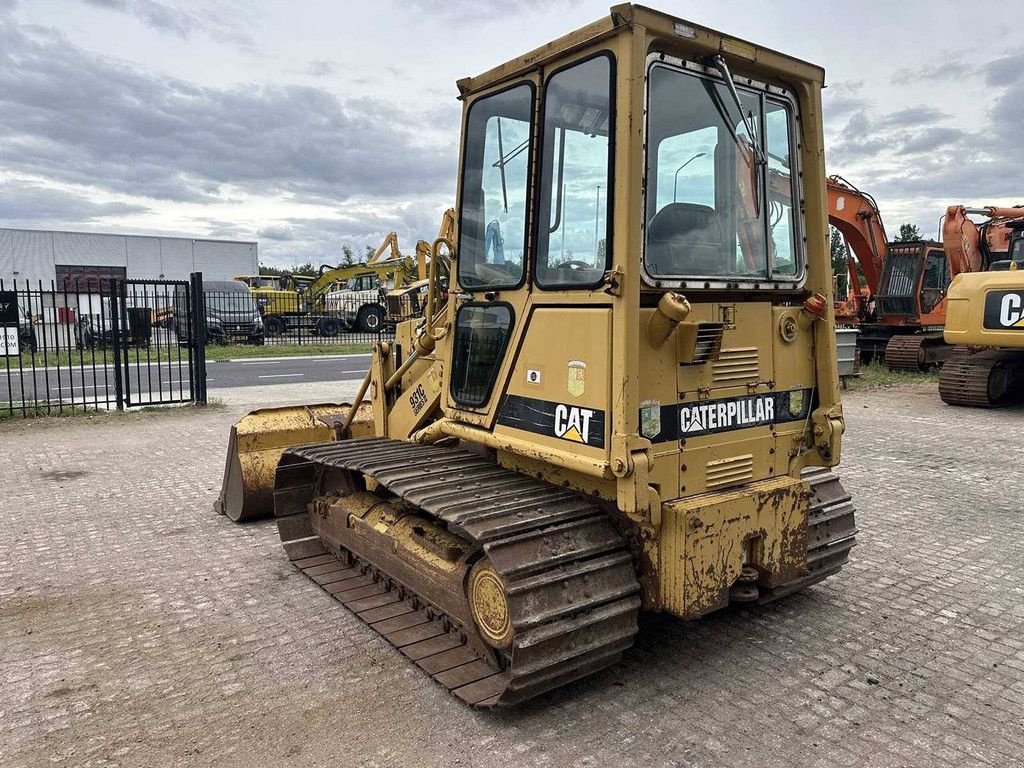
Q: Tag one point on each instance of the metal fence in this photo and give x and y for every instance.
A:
(98, 344)
(105, 342)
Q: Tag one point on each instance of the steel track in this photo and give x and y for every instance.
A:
(570, 581)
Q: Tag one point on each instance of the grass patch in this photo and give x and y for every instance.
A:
(163, 354)
(246, 351)
(877, 375)
(39, 413)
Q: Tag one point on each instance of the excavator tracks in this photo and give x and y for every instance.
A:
(569, 580)
(983, 380)
(916, 352)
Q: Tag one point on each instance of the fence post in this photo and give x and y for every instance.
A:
(198, 336)
(113, 299)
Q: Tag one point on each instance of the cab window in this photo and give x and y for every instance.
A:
(481, 335)
(720, 188)
(575, 204)
(495, 182)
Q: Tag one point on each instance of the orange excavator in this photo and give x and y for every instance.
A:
(855, 214)
(974, 247)
(916, 295)
(897, 303)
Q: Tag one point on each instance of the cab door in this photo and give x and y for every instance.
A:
(534, 247)
(492, 290)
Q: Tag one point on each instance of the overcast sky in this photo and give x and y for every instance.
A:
(308, 125)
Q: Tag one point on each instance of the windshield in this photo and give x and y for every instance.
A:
(492, 230)
(716, 206)
(1017, 251)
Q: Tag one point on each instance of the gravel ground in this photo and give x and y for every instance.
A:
(138, 628)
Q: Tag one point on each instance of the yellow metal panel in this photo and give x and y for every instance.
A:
(706, 540)
(561, 372)
(965, 309)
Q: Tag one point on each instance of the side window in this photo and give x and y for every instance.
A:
(575, 204)
(782, 244)
(492, 229)
(481, 335)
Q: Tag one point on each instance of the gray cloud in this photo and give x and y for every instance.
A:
(842, 98)
(24, 202)
(932, 139)
(320, 68)
(1008, 70)
(956, 68)
(475, 10)
(320, 239)
(178, 21)
(71, 116)
(912, 117)
(282, 234)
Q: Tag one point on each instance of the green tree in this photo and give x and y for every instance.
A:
(348, 258)
(837, 248)
(908, 233)
(265, 270)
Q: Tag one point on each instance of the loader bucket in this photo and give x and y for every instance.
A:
(259, 438)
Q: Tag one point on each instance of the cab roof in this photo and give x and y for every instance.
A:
(668, 30)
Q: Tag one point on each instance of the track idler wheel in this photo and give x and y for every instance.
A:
(489, 606)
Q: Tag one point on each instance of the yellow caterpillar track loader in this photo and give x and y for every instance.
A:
(985, 316)
(629, 399)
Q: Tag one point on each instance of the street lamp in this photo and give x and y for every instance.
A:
(675, 181)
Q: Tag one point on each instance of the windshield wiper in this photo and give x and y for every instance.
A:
(717, 62)
(503, 159)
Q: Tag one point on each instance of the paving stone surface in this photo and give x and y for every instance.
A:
(138, 628)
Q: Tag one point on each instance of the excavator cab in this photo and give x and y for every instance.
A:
(627, 397)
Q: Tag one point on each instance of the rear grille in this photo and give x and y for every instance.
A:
(899, 279)
(735, 366)
(709, 342)
(726, 472)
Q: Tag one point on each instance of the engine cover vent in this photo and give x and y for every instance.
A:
(736, 366)
(727, 472)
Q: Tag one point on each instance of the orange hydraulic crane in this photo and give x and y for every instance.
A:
(855, 214)
(972, 247)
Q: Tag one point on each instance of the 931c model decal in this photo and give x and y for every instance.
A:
(562, 420)
(709, 417)
(1004, 311)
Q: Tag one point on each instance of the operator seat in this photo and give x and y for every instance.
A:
(686, 239)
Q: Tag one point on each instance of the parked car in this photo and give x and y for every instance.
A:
(231, 313)
(93, 331)
(26, 331)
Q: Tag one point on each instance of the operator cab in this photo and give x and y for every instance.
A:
(604, 176)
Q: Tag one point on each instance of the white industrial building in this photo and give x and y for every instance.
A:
(44, 255)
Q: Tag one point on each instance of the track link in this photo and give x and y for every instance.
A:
(916, 352)
(831, 532)
(983, 380)
(571, 588)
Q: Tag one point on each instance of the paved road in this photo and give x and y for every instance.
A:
(138, 628)
(169, 380)
(247, 373)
